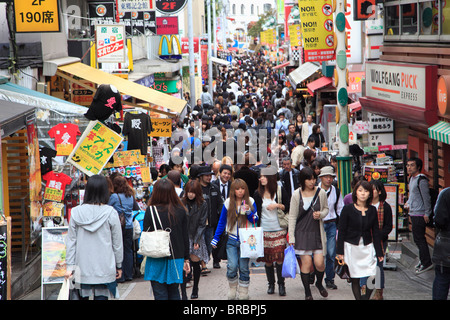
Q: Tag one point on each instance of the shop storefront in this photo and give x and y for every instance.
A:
(407, 93)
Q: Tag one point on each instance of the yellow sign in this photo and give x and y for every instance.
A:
(94, 149)
(316, 18)
(161, 128)
(127, 158)
(295, 35)
(36, 15)
(145, 174)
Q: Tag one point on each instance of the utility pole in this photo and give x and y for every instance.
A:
(210, 77)
(214, 27)
(191, 54)
(344, 161)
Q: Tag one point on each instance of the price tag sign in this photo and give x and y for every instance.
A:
(36, 15)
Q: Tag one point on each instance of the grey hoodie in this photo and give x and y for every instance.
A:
(419, 200)
(94, 243)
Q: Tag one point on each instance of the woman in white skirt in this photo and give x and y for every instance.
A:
(359, 242)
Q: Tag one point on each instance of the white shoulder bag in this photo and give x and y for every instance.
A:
(155, 244)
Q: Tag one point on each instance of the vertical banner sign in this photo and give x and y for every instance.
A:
(295, 35)
(36, 15)
(110, 43)
(316, 18)
(94, 149)
(35, 163)
(204, 57)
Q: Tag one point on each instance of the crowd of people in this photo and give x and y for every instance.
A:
(204, 196)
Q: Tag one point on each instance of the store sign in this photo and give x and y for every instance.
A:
(185, 44)
(397, 83)
(379, 123)
(36, 15)
(316, 18)
(161, 128)
(170, 6)
(443, 87)
(364, 9)
(166, 25)
(295, 35)
(166, 86)
(169, 48)
(134, 5)
(94, 148)
(110, 42)
(355, 82)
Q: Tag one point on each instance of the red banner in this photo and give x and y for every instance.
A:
(111, 48)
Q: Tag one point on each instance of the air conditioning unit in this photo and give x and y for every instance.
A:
(41, 87)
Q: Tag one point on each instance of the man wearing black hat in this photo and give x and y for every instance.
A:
(213, 198)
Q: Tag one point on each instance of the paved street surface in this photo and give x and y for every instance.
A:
(401, 284)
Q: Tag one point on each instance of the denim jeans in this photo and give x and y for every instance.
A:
(164, 291)
(235, 263)
(418, 232)
(209, 235)
(330, 230)
(441, 283)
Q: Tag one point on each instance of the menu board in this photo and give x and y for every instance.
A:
(5, 267)
(392, 200)
(53, 254)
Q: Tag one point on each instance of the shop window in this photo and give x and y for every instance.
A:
(429, 14)
(409, 19)
(392, 20)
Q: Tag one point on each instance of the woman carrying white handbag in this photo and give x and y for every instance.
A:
(166, 212)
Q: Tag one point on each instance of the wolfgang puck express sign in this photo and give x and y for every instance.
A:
(170, 6)
(400, 83)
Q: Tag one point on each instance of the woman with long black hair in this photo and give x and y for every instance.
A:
(165, 274)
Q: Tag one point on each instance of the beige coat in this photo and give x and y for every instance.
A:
(293, 214)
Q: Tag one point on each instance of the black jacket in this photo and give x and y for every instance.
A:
(217, 183)
(178, 226)
(213, 198)
(353, 226)
(197, 216)
(285, 180)
(442, 210)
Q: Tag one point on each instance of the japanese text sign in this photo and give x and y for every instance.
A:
(135, 5)
(36, 15)
(110, 42)
(317, 28)
(94, 149)
(161, 128)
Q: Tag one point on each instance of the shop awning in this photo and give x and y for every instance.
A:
(303, 72)
(220, 61)
(282, 65)
(14, 116)
(355, 106)
(318, 84)
(74, 71)
(440, 132)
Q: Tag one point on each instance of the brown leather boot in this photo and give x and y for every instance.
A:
(378, 295)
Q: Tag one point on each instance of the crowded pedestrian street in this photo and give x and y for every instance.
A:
(224, 151)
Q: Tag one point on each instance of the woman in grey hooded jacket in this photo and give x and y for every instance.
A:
(94, 250)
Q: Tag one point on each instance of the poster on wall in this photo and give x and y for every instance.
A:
(5, 262)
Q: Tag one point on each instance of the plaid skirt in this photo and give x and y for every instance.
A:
(274, 245)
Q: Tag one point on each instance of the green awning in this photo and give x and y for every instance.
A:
(440, 132)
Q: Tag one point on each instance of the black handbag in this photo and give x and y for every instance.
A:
(341, 269)
(221, 248)
(441, 250)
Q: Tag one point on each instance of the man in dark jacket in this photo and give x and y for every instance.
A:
(212, 196)
(442, 262)
(289, 177)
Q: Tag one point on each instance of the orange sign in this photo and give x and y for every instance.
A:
(442, 94)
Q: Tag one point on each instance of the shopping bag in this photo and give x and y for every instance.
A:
(290, 263)
(252, 242)
(64, 292)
